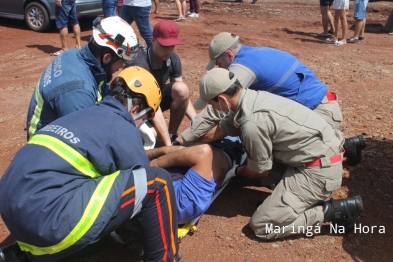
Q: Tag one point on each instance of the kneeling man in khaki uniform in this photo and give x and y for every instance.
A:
(273, 128)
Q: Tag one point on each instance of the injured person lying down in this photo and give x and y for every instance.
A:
(197, 172)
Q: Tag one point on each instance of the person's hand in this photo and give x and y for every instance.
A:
(58, 3)
(230, 174)
(149, 139)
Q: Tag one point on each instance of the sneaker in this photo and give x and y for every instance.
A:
(344, 212)
(175, 142)
(188, 14)
(353, 149)
(194, 15)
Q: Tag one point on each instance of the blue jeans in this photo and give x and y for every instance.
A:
(109, 7)
(142, 19)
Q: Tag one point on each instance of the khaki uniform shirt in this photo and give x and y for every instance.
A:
(275, 127)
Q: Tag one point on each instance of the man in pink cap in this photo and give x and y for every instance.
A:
(165, 66)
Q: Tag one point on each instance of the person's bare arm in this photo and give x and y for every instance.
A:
(215, 134)
(161, 127)
(207, 161)
(160, 151)
(246, 172)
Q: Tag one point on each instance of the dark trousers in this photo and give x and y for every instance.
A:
(194, 6)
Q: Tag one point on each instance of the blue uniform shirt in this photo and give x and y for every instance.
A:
(72, 81)
(41, 193)
(281, 73)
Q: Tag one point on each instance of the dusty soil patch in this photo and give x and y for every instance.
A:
(360, 73)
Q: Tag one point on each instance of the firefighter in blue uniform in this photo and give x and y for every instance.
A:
(85, 175)
(78, 78)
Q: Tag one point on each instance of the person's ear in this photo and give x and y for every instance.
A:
(222, 98)
(106, 58)
(230, 54)
(135, 110)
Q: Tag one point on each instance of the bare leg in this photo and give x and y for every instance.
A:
(64, 38)
(359, 29)
(330, 19)
(77, 34)
(363, 28)
(325, 19)
(179, 8)
(336, 24)
(190, 112)
(184, 7)
(156, 3)
(180, 94)
(344, 25)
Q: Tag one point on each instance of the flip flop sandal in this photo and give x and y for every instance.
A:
(352, 40)
(339, 43)
(180, 19)
(57, 53)
(330, 41)
(361, 38)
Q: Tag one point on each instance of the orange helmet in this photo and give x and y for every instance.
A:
(142, 82)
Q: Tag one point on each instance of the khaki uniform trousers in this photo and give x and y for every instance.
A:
(291, 207)
(330, 111)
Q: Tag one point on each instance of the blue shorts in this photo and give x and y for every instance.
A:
(193, 195)
(66, 14)
(325, 2)
(360, 9)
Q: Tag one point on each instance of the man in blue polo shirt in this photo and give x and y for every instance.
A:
(280, 73)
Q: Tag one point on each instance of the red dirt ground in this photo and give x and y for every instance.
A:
(362, 75)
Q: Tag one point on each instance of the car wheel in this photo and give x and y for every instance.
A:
(37, 17)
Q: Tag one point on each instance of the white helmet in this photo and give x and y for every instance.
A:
(117, 34)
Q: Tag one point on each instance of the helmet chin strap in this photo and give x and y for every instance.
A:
(141, 113)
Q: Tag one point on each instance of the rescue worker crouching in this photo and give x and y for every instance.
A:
(79, 78)
(85, 175)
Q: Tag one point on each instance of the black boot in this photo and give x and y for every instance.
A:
(344, 212)
(353, 149)
(12, 253)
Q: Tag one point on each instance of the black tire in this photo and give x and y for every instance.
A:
(37, 17)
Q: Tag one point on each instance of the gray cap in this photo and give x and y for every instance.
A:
(220, 43)
(213, 83)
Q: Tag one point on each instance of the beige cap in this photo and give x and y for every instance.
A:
(213, 83)
(220, 43)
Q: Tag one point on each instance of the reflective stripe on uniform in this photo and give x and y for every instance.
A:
(96, 201)
(67, 153)
(284, 77)
(35, 119)
(99, 96)
(37, 111)
(88, 218)
(140, 183)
